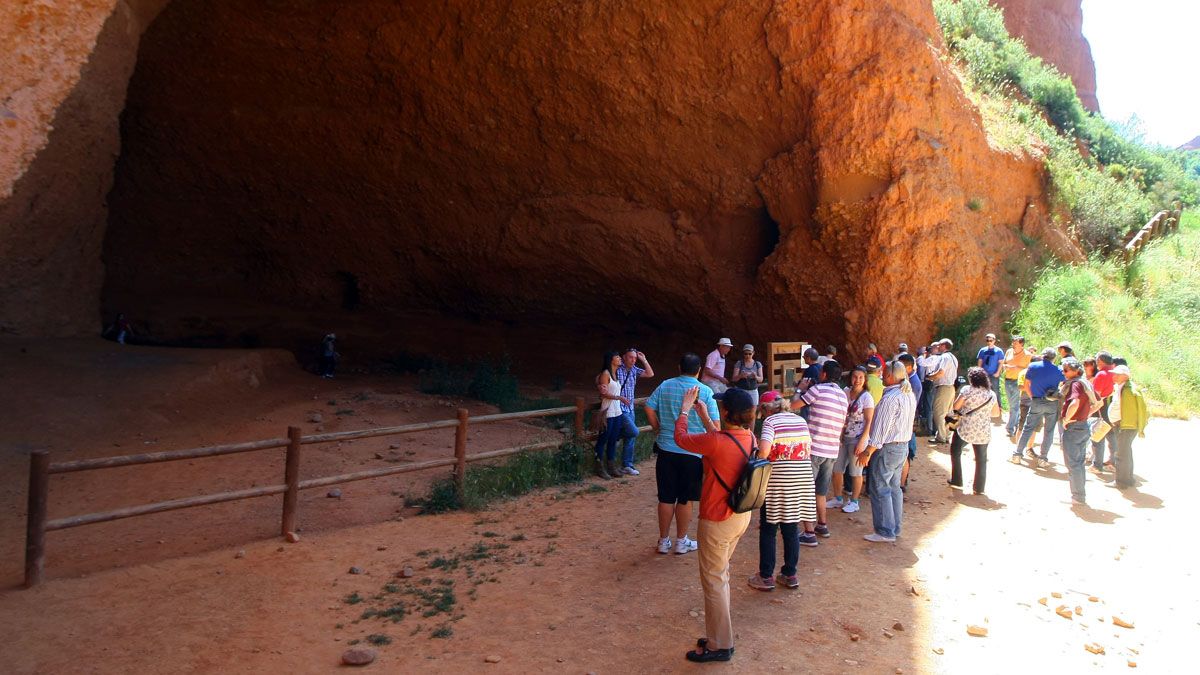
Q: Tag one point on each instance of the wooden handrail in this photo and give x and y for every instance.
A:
(41, 469)
(1161, 223)
(167, 456)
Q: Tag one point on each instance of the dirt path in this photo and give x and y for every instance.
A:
(566, 581)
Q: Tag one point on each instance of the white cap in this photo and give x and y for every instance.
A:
(724, 342)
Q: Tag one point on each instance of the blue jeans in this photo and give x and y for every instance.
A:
(1076, 436)
(615, 429)
(887, 500)
(1013, 395)
(927, 403)
(629, 432)
(1041, 413)
(766, 546)
(994, 381)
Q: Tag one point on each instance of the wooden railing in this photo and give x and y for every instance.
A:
(41, 468)
(1163, 222)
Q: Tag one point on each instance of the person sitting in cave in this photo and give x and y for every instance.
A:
(120, 329)
(329, 356)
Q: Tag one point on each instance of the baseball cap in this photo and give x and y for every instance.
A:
(724, 342)
(903, 346)
(1066, 344)
(946, 341)
(735, 400)
(772, 396)
(748, 348)
(990, 336)
(1120, 370)
(873, 365)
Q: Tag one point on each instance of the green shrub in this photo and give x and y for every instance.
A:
(960, 329)
(492, 382)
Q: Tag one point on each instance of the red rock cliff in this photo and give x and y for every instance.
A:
(766, 169)
(1053, 30)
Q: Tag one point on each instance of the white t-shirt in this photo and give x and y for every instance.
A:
(716, 363)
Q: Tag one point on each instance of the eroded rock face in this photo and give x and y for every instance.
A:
(765, 169)
(1053, 30)
(61, 93)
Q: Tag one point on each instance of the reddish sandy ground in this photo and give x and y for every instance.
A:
(564, 580)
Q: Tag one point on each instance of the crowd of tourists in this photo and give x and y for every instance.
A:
(845, 433)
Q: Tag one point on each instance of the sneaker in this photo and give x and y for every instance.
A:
(1110, 467)
(1078, 502)
(664, 545)
(1016, 459)
(936, 441)
(808, 539)
(878, 539)
(760, 584)
(822, 530)
(788, 582)
(630, 471)
(682, 546)
(851, 506)
(835, 503)
(1044, 464)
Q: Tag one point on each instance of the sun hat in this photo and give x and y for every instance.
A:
(724, 342)
(1120, 370)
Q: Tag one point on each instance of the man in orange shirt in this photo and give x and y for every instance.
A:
(725, 452)
(1016, 360)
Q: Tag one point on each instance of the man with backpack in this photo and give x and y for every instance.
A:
(1077, 405)
(725, 454)
(1129, 415)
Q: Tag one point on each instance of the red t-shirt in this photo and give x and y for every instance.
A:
(718, 453)
(1076, 393)
(1103, 383)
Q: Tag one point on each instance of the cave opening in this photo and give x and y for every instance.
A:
(491, 202)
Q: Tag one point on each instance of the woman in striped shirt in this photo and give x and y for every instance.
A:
(791, 492)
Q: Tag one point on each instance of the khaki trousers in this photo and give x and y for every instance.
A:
(717, 539)
(943, 401)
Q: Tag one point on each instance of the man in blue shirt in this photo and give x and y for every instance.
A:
(628, 374)
(1041, 383)
(677, 472)
(989, 358)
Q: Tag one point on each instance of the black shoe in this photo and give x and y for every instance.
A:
(710, 655)
(701, 642)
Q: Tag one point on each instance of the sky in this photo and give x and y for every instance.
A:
(1147, 55)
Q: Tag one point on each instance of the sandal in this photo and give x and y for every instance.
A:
(704, 641)
(710, 655)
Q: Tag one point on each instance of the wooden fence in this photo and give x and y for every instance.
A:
(41, 468)
(1163, 222)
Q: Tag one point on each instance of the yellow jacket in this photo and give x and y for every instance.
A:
(1134, 413)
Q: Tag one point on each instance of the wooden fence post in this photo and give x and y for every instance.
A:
(460, 454)
(580, 407)
(35, 529)
(291, 477)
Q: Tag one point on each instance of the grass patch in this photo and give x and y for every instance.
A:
(379, 639)
(352, 599)
(491, 382)
(1145, 312)
(442, 633)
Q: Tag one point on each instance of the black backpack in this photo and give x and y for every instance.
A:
(750, 492)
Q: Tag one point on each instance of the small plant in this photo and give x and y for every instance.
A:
(489, 534)
(391, 588)
(975, 204)
(517, 537)
(352, 599)
(442, 632)
(379, 639)
(344, 412)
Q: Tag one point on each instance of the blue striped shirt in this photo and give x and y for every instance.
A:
(667, 400)
(893, 421)
(628, 378)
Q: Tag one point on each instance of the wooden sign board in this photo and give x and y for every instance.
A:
(785, 365)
